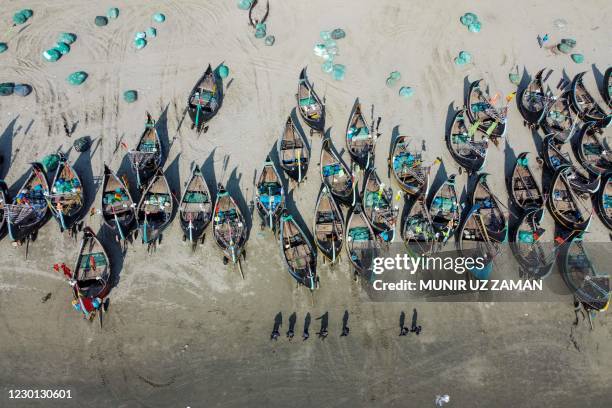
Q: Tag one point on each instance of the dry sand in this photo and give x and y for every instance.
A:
(184, 330)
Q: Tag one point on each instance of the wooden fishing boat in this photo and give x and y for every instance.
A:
(444, 210)
(293, 152)
(589, 282)
(490, 120)
(524, 189)
(269, 195)
(336, 174)
(607, 87)
(360, 140)
(465, 149)
(195, 209)
(298, 253)
(585, 105)
(205, 99)
(593, 150)
(118, 212)
(29, 209)
(66, 197)
(91, 277)
(311, 109)
(555, 158)
(532, 245)
(328, 226)
(559, 120)
(418, 231)
(533, 101)
(229, 227)
(147, 157)
(377, 204)
(155, 208)
(475, 241)
(570, 210)
(408, 169)
(493, 218)
(604, 201)
(4, 201)
(361, 243)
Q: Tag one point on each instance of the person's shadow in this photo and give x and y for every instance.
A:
(291, 330)
(414, 328)
(402, 324)
(345, 328)
(324, 324)
(307, 319)
(278, 322)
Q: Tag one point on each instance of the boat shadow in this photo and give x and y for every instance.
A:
(91, 184)
(164, 138)
(395, 133)
(116, 254)
(208, 172)
(6, 147)
(509, 164)
(439, 179)
(173, 177)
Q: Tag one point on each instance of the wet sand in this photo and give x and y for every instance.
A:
(185, 330)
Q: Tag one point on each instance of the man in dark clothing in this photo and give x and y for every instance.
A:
(275, 335)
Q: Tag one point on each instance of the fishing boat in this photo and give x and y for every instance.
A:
(533, 101)
(481, 112)
(147, 157)
(328, 226)
(118, 212)
(229, 227)
(407, 168)
(311, 109)
(604, 201)
(360, 140)
(589, 282)
(361, 243)
(585, 105)
(336, 174)
(205, 99)
(524, 189)
(593, 151)
(555, 158)
(269, 195)
(570, 210)
(155, 208)
(253, 18)
(532, 245)
(293, 152)
(559, 120)
(418, 231)
(29, 208)
(195, 209)
(475, 241)
(377, 204)
(607, 87)
(493, 218)
(468, 152)
(66, 197)
(91, 277)
(298, 253)
(444, 210)
(4, 201)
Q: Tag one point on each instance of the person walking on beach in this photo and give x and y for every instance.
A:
(323, 333)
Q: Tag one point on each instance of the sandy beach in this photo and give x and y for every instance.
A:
(183, 330)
